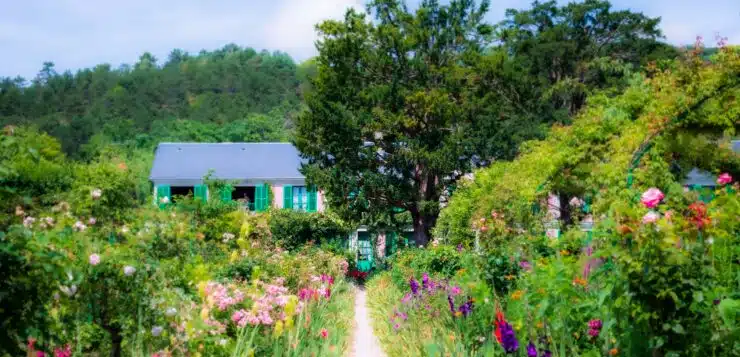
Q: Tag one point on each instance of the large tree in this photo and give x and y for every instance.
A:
(392, 116)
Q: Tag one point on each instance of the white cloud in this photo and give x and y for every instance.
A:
(292, 28)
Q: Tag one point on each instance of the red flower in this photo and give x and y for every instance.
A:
(324, 333)
(500, 321)
(699, 214)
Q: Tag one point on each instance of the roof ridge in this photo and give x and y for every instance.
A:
(226, 143)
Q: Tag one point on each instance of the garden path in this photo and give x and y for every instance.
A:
(365, 342)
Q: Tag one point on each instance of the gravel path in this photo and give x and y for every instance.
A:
(365, 343)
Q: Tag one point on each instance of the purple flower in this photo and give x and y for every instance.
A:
(455, 291)
(531, 350)
(593, 332)
(452, 304)
(425, 281)
(459, 248)
(414, 286)
(546, 353)
(467, 308)
(525, 265)
(508, 338)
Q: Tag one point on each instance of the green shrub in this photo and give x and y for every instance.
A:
(292, 229)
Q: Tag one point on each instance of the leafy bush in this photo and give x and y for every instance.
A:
(291, 229)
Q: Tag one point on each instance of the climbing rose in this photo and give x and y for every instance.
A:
(531, 350)
(96, 193)
(63, 352)
(94, 259)
(724, 179)
(650, 217)
(652, 197)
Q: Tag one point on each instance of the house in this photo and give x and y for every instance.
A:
(261, 176)
(253, 170)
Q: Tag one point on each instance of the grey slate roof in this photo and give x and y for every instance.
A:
(698, 177)
(230, 161)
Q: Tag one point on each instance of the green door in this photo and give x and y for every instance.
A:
(364, 252)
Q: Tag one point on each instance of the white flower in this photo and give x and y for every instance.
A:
(96, 193)
(49, 220)
(171, 311)
(710, 241)
(92, 221)
(69, 291)
(124, 230)
(481, 339)
(129, 270)
(164, 199)
(79, 226)
(223, 342)
(157, 330)
(94, 259)
(28, 221)
(227, 237)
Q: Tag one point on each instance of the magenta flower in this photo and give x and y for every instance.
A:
(94, 259)
(724, 178)
(455, 291)
(525, 265)
(406, 298)
(652, 197)
(65, 351)
(425, 281)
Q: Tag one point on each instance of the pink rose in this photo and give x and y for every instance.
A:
(650, 217)
(724, 179)
(652, 197)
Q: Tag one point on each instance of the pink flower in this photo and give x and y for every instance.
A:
(724, 179)
(94, 259)
(63, 352)
(668, 215)
(92, 221)
(455, 291)
(324, 333)
(652, 197)
(484, 229)
(40, 354)
(650, 217)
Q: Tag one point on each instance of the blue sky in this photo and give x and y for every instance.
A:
(82, 33)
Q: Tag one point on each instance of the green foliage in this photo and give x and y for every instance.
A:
(230, 94)
(293, 229)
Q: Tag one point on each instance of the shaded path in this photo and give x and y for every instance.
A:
(365, 343)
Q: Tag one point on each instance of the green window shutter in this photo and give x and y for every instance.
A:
(391, 243)
(288, 197)
(225, 193)
(162, 192)
(268, 196)
(201, 191)
(311, 205)
(258, 204)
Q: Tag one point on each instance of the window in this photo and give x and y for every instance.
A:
(300, 198)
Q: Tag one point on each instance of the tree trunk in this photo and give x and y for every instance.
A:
(423, 225)
(566, 216)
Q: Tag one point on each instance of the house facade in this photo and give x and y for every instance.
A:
(260, 176)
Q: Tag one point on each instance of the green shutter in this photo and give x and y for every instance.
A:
(262, 198)
(391, 245)
(162, 192)
(311, 205)
(288, 197)
(258, 198)
(201, 191)
(225, 193)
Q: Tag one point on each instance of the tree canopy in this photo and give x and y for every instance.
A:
(405, 104)
(253, 93)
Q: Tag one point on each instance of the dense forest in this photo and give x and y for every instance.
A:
(231, 94)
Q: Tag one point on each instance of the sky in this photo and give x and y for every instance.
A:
(75, 34)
